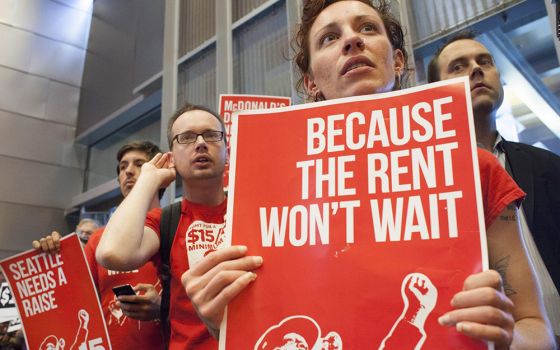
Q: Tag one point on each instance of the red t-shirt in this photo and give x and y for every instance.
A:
(187, 330)
(498, 188)
(125, 333)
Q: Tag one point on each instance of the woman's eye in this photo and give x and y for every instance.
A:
(368, 27)
(325, 39)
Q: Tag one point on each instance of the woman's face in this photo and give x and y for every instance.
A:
(350, 52)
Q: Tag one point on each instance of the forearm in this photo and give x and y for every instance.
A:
(532, 333)
(121, 246)
(508, 257)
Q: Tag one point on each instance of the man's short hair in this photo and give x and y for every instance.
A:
(147, 147)
(90, 221)
(187, 108)
(433, 66)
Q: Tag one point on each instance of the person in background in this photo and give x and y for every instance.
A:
(349, 48)
(196, 137)
(535, 170)
(85, 228)
(132, 321)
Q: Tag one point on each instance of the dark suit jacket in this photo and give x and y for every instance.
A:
(537, 172)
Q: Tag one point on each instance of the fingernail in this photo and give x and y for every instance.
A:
(258, 260)
(242, 248)
(451, 302)
(444, 320)
(462, 327)
(252, 276)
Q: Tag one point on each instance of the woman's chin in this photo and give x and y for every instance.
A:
(368, 88)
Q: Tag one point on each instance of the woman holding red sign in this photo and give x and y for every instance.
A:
(349, 48)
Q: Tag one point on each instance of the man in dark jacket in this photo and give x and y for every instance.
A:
(535, 170)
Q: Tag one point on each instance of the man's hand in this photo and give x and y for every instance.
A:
(49, 244)
(217, 280)
(161, 167)
(144, 306)
(482, 310)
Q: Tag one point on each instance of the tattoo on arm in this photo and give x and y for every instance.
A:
(511, 213)
(501, 266)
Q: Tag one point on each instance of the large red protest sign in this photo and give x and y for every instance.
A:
(368, 214)
(56, 299)
(232, 103)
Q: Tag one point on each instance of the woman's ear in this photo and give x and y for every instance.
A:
(309, 84)
(398, 59)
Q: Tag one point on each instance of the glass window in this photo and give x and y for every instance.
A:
(241, 8)
(197, 80)
(196, 24)
(102, 160)
(261, 62)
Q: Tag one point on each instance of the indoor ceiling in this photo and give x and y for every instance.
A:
(524, 45)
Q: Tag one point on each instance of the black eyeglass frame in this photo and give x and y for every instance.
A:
(207, 132)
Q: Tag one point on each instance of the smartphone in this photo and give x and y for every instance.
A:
(125, 289)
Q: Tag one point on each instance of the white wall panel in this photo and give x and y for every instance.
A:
(23, 93)
(41, 66)
(19, 47)
(58, 61)
(41, 56)
(38, 184)
(83, 5)
(62, 103)
(38, 97)
(34, 139)
(21, 224)
(49, 18)
(8, 9)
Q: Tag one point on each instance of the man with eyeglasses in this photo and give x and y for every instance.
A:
(198, 154)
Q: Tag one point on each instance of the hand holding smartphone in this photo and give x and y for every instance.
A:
(125, 289)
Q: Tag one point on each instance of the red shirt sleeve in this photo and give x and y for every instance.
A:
(153, 219)
(498, 188)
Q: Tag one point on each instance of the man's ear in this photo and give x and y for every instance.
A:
(171, 159)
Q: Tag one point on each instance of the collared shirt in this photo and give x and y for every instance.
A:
(550, 295)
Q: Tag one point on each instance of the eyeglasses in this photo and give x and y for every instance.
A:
(208, 136)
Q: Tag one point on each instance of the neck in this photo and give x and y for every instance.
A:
(485, 127)
(206, 192)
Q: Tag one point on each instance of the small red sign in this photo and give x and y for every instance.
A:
(56, 299)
